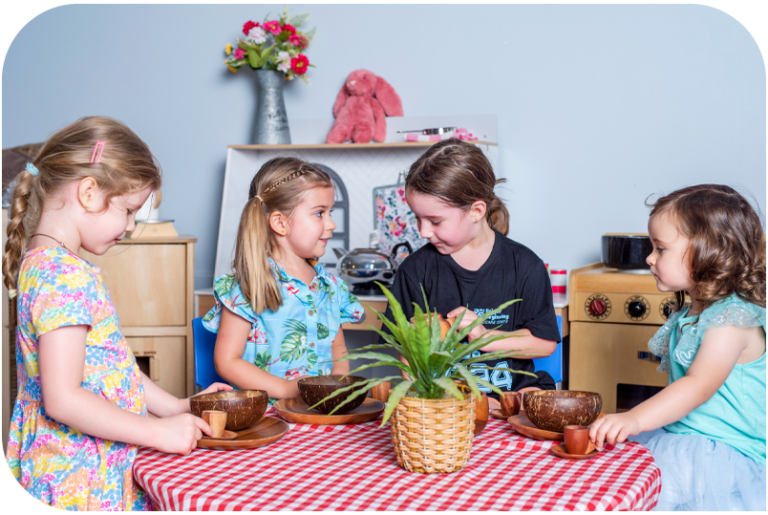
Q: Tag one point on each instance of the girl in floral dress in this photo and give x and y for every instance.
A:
(82, 403)
(279, 314)
(706, 430)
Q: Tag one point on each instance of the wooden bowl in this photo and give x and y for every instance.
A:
(552, 410)
(315, 389)
(244, 407)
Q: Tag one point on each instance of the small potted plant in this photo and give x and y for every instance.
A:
(431, 401)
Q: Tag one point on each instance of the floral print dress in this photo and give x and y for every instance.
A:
(56, 463)
(296, 339)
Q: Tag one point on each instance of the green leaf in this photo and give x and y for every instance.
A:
(498, 354)
(364, 385)
(349, 399)
(397, 393)
(297, 20)
(322, 332)
(254, 59)
(404, 367)
(523, 372)
(470, 379)
(310, 34)
(479, 320)
(449, 386)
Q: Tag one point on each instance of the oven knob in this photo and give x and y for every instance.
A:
(666, 307)
(636, 309)
(597, 307)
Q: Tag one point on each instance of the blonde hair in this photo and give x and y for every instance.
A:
(459, 173)
(278, 186)
(726, 242)
(127, 165)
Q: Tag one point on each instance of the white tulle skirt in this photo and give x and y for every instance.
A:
(702, 474)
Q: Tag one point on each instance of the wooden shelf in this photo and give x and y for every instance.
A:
(349, 146)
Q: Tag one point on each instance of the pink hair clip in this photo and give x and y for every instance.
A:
(100, 148)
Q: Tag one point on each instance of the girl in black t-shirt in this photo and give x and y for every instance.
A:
(469, 264)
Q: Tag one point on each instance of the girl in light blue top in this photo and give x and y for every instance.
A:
(706, 430)
(278, 315)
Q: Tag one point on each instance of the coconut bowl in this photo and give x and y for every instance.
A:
(244, 407)
(552, 410)
(315, 389)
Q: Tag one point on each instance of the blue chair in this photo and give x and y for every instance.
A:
(204, 342)
(553, 364)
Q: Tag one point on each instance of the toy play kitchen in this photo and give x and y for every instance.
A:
(615, 308)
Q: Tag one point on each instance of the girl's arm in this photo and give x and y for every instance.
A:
(339, 350)
(521, 340)
(228, 358)
(718, 353)
(61, 358)
(162, 404)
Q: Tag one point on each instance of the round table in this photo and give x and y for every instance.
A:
(353, 467)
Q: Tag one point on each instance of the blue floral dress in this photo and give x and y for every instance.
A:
(296, 339)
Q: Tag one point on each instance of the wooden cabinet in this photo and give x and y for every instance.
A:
(151, 282)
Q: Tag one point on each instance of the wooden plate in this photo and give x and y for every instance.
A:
(559, 451)
(226, 435)
(525, 427)
(498, 414)
(297, 411)
(266, 431)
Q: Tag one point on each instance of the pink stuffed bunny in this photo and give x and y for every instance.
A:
(361, 107)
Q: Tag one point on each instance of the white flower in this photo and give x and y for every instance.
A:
(284, 66)
(283, 56)
(257, 35)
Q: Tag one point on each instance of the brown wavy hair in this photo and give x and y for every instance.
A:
(727, 242)
(459, 173)
(279, 185)
(127, 165)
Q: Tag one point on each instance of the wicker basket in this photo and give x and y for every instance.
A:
(433, 435)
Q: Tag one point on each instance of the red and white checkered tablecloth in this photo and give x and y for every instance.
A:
(353, 467)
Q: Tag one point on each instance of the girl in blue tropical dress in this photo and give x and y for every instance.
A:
(706, 430)
(278, 315)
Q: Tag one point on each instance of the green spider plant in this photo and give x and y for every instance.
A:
(433, 362)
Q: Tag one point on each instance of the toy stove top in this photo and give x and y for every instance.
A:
(601, 294)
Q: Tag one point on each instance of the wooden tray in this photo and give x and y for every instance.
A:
(559, 451)
(525, 427)
(296, 411)
(266, 431)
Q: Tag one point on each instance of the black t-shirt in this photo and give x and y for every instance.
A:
(512, 271)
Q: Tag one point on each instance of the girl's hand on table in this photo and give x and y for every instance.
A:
(613, 429)
(179, 434)
(215, 387)
(469, 317)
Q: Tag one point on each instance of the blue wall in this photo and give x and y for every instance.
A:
(597, 106)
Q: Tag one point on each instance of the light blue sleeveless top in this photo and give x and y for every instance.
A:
(736, 412)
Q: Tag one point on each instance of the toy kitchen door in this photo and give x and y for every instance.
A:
(393, 220)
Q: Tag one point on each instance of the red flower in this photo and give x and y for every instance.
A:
(299, 64)
(289, 28)
(239, 53)
(299, 41)
(248, 26)
(272, 26)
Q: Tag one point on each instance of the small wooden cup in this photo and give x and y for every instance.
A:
(577, 440)
(510, 404)
(380, 392)
(217, 420)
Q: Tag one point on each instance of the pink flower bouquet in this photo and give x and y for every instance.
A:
(273, 45)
